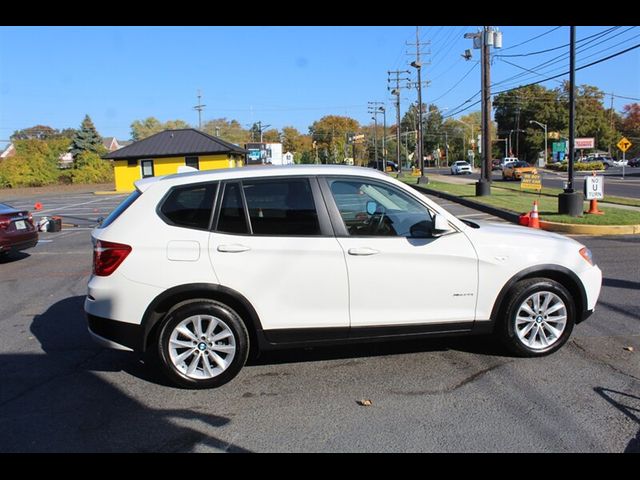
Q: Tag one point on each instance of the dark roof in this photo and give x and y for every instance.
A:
(178, 143)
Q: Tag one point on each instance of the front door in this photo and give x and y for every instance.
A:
(395, 279)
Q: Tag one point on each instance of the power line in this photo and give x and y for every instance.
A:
(532, 39)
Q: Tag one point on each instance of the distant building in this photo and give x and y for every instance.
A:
(164, 152)
(262, 153)
(287, 159)
(112, 143)
(9, 151)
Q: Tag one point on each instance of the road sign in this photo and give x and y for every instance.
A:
(587, 142)
(594, 187)
(624, 144)
(558, 147)
(531, 181)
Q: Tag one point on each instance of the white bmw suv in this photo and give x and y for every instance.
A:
(199, 268)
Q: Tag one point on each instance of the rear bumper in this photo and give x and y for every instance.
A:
(114, 334)
(18, 244)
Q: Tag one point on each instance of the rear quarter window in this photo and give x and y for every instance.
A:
(119, 210)
(189, 206)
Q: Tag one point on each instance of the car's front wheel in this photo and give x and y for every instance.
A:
(538, 317)
(202, 344)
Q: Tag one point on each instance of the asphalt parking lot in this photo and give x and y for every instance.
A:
(59, 392)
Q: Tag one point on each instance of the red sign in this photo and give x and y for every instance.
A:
(588, 142)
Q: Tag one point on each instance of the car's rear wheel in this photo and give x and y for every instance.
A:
(203, 344)
(538, 317)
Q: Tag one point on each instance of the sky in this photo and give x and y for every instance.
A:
(282, 76)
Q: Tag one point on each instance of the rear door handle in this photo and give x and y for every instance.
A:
(234, 248)
(363, 251)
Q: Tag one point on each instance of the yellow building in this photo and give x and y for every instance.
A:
(164, 152)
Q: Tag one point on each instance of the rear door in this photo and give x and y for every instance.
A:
(273, 243)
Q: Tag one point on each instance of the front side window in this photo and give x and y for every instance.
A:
(372, 209)
(147, 168)
(189, 206)
(281, 207)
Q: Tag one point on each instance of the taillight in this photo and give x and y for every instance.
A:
(107, 256)
(4, 222)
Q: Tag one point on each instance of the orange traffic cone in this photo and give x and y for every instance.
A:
(37, 206)
(534, 219)
(593, 208)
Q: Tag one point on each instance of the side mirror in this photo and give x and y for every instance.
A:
(440, 225)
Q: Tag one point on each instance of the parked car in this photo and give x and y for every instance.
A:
(496, 164)
(197, 269)
(460, 167)
(514, 170)
(17, 231)
(606, 161)
(634, 162)
(391, 166)
(508, 161)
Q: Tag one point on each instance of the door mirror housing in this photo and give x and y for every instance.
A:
(440, 225)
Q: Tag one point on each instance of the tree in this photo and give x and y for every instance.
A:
(34, 164)
(330, 135)
(271, 136)
(629, 126)
(228, 130)
(149, 126)
(86, 139)
(38, 132)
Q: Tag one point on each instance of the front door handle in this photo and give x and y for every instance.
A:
(363, 251)
(234, 248)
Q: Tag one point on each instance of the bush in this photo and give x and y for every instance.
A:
(577, 166)
(90, 168)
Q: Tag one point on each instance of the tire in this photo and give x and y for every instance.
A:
(193, 359)
(527, 335)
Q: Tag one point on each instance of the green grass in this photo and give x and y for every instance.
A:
(516, 201)
(634, 202)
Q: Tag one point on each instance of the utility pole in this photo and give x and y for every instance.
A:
(483, 40)
(384, 134)
(611, 121)
(396, 91)
(570, 202)
(374, 109)
(417, 64)
(199, 108)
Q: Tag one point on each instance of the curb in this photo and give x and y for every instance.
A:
(567, 228)
(576, 229)
(108, 192)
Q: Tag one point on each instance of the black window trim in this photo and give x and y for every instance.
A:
(324, 218)
(153, 168)
(171, 223)
(334, 212)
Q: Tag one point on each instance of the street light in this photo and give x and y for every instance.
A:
(418, 66)
(470, 125)
(543, 125)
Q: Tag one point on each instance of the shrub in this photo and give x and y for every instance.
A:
(90, 168)
(577, 166)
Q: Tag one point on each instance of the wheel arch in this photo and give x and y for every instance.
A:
(183, 294)
(560, 274)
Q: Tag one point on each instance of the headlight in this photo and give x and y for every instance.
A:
(587, 255)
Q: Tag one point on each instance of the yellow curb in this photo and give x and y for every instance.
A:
(589, 229)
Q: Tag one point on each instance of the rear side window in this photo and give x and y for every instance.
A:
(126, 203)
(189, 206)
(281, 207)
(232, 218)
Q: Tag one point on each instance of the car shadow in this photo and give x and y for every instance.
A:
(617, 283)
(13, 257)
(61, 400)
(629, 405)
